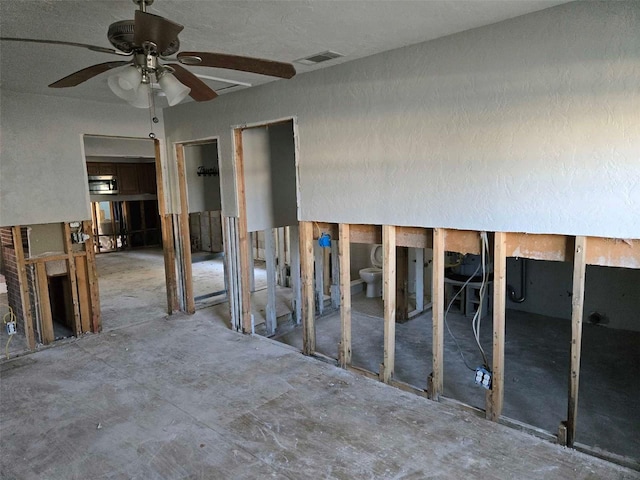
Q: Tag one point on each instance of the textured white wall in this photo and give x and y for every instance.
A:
(43, 176)
(269, 171)
(532, 124)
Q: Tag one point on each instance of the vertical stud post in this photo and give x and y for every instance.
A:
(344, 254)
(495, 396)
(389, 294)
(308, 301)
(577, 309)
(243, 235)
(294, 241)
(436, 379)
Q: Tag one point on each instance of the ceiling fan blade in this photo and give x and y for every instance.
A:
(94, 48)
(156, 29)
(85, 74)
(234, 62)
(200, 91)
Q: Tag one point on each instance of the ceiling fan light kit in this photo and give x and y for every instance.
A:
(148, 39)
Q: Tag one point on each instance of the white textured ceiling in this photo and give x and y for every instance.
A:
(283, 30)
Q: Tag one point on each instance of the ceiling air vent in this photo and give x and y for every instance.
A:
(319, 58)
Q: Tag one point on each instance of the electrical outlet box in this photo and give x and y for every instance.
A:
(11, 328)
(325, 240)
(483, 377)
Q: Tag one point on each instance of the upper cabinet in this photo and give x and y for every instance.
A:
(147, 178)
(128, 179)
(132, 178)
(101, 168)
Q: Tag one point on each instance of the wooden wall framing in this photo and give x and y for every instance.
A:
(582, 251)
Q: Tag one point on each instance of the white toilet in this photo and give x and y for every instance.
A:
(372, 276)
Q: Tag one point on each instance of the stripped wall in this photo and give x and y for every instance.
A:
(531, 124)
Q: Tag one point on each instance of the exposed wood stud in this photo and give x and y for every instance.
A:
(24, 289)
(495, 396)
(335, 273)
(252, 264)
(73, 280)
(419, 268)
(166, 229)
(83, 294)
(389, 297)
(308, 300)
(318, 253)
(92, 272)
(294, 243)
(577, 308)
(270, 257)
(45, 303)
(402, 284)
(436, 379)
(184, 232)
(344, 254)
(243, 235)
(326, 271)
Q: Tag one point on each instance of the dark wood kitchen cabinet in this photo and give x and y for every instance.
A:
(147, 178)
(127, 178)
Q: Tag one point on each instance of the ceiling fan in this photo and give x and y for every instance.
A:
(148, 39)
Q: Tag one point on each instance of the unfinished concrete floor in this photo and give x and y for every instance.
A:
(536, 368)
(184, 397)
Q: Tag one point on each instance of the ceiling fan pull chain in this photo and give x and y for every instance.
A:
(152, 111)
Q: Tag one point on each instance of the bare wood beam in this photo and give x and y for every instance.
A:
(24, 288)
(166, 229)
(335, 272)
(294, 241)
(557, 248)
(45, 304)
(73, 279)
(613, 252)
(389, 294)
(318, 253)
(243, 235)
(402, 284)
(495, 396)
(308, 300)
(84, 297)
(92, 271)
(414, 237)
(419, 268)
(463, 241)
(344, 254)
(366, 234)
(436, 380)
(184, 232)
(577, 308)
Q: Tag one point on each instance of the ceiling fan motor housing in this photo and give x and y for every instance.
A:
(120, 35)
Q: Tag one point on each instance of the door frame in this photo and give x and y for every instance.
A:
(183, 237)
(242, 320)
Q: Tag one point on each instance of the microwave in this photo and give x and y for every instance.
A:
(103, 185)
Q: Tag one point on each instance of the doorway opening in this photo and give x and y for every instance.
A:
(267, 229)
(123, 175)
(204, 278)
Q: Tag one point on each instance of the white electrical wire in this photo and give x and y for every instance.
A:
(477, 317)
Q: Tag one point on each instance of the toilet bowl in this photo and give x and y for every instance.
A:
(372, 276)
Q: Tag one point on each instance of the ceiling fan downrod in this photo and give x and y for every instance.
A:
(143, 4)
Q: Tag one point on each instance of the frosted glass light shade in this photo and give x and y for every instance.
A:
(125, 83)
(141, 98)
(175, 90)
